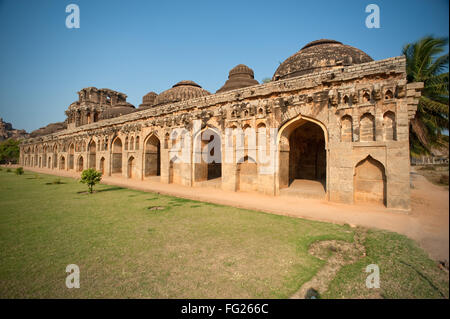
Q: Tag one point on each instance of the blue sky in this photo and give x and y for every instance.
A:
(139, 46)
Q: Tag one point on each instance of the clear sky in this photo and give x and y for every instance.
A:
(139, 46)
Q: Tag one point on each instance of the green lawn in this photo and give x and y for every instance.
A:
(187, 249)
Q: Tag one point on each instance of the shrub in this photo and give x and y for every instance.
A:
(19, 171)
(8, 170)
(444, 179)
(57, 181)
(428, 168)
(90, 177)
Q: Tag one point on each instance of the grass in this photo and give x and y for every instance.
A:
(405, 271)
(183, 249)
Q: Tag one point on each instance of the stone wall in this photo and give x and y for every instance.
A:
(359, 111)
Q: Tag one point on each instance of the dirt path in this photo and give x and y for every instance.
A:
(427, 223)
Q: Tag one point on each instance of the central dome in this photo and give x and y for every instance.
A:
(239, 77)
(320, 55)
(182, 91)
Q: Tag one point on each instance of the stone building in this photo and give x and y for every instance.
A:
(335, 125)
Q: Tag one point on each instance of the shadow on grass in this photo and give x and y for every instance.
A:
(115, 188)
(101, 190)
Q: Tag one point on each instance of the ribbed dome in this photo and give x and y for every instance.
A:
(182, 91)
(320, 55)
(117, 110)
(239, 77)
(148, 100)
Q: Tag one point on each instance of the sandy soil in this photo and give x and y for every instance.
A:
(427, 223)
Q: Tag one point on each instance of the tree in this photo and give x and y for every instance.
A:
(9, 151)
(90, 177)
(425, 64)
(266, 80)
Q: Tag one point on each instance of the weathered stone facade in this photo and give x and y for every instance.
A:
(343, 123)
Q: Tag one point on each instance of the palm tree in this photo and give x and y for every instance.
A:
(424, 65)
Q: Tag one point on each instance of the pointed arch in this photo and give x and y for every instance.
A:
(247, 174)
(152, 155)
(389, 126)
(302, 154)
(136, 147)
(131, 148)
(102, 165)
(346, 128)
(80, 164)
(367, 128)
(369, 181)
(72, 156)
(62, 162)
(116, 156)
(131, 167)
(207, 154)
(92, 150)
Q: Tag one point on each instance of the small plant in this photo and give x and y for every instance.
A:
(90, 177)
(1, 169)
(19, 171)
(8, 170)
(443, 179)
(57, 181)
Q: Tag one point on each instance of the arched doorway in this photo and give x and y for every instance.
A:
(55, 156)
(152, 156)
(92, 155)
(117, 156)
(49, 162)
(302, 159)
(208, 157)
(71, 156)
(44, 157)
(170, 179)
(62, 163)
(130, 167)
(80, 164)
(247, 175)
(369, 182)
(102, 165)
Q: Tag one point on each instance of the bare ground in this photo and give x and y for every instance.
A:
(336, 253)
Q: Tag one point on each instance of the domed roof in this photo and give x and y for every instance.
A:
(148, 100)
(184, 90)
(149, 97)
(320, 55)
(49, 129)
(117, 110)
(239, 77)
